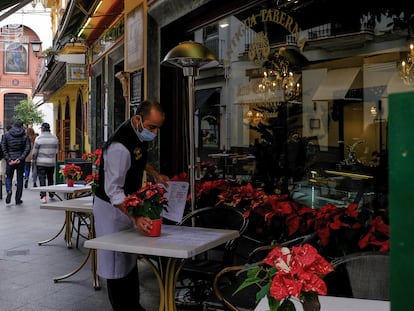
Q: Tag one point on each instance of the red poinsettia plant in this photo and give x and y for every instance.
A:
(71, 171)
(288, 273)
(95, 158)
(149, 201)
(277, 217)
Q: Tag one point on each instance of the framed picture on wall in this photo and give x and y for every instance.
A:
(76, 72)
(15, 58)
(134, 43)
(315, 123)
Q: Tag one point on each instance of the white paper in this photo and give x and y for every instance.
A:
(176, 195)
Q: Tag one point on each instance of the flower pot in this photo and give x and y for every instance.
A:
(311, 303)
(70, 182)
(156, 227)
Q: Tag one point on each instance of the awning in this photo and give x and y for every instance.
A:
(336, 84)
(397, 85)
(202, 96)
(376, 79)
(11, 6)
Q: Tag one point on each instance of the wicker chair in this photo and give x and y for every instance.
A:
(368, 274)
(197, 275)
(229, 278)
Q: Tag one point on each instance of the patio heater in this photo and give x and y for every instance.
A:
(191, 56)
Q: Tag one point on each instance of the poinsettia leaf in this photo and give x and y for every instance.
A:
(273, 303)
(264, 291)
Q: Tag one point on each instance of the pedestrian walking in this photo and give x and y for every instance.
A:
(44, 154)
(28, 161)
(16, 147)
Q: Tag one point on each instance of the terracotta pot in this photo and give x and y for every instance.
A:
(311, 302)
(156, 227)
(70, 182)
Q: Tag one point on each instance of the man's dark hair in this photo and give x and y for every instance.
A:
(18, 123)
(146, 106)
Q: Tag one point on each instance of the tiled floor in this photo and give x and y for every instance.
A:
(27, 269)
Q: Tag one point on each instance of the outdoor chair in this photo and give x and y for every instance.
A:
(368, 274)
(195, 280)
(229, 279)
(79, 219)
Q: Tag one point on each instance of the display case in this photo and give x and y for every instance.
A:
(340, 186)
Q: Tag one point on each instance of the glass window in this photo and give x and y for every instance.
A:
(304, 100)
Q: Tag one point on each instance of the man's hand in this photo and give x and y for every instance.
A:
(161, 179)
(143, 224)
(14, 162)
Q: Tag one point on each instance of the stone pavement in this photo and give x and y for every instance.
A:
(27, 269)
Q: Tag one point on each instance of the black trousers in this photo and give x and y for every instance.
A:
(45, 173)
(124, 293)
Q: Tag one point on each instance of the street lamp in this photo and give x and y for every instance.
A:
(191, 56)
(36, 47)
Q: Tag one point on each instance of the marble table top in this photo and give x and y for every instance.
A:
(175, 241)
(77, 205)
(330, 303)
(63, 188)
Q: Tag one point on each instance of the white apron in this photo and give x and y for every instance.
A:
(109, 219)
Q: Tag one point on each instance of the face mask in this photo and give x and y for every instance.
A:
(145, 134)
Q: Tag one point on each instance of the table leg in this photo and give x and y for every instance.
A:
(94, 259)
(54, 237)
(68, 232)
(92, 253)
(60, 231)
(167, 278)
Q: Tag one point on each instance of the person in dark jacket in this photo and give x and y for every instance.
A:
(16, 147)
(121, 171)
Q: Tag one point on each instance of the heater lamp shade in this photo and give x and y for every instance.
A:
(190, 54)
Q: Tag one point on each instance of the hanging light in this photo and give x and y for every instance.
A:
(277, 77)
(407, 67)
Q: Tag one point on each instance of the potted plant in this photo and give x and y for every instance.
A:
(289, 273)
(95, 158)
(71, 172)
(148, 201)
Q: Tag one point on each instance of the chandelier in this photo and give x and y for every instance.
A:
(407, 67)
(278, 80)
(254, 117)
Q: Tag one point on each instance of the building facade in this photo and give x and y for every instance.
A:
(298, 103)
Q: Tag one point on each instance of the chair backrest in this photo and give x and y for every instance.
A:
(261, 252)
(368, 274)
(220, 217)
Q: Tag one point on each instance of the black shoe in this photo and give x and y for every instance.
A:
(18, 202)
(26, 183)
(34, 185)
(8, 198)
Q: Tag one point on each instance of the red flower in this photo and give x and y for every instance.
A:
(91, 178)
(94, 157)
(148, 201)
(71, 171)
(378, 235)
(298, 270)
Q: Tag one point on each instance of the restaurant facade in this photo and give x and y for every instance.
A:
(298, 104)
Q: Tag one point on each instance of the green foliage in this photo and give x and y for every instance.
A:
(28, 112)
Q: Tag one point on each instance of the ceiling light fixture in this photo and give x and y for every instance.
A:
(407, 67)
